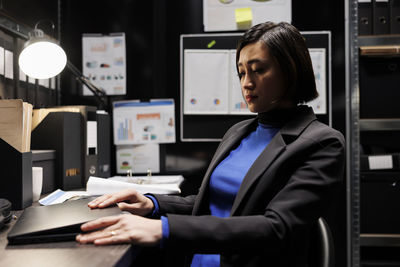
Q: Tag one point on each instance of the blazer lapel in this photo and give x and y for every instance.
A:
(222, 152)
(262, 163)
(275, 148)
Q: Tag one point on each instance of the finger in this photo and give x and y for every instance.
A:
(134, 208)
(100, 223)
(90, 237)
(94, 203)
(112, 240)
(128, 194)
(125, 206)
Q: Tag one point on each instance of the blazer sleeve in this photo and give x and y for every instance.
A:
(300, 201)
(174, 204)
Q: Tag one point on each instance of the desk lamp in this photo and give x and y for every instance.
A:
(42, 58)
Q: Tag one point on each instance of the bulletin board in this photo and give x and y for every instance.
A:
(210, 90)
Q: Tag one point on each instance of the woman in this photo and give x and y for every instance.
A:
(270, 179)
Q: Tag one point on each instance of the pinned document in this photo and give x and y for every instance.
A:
(138, 158)
(244, 18)
(138, 122)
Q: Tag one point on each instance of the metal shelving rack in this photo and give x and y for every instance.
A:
(353, 127)
(352, 135)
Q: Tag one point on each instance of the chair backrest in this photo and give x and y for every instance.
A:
(322, 252)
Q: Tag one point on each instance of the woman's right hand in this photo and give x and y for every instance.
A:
(127, 200)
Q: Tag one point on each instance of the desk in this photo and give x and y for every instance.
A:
(61, 254)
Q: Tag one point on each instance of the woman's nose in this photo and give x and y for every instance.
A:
(247, 82)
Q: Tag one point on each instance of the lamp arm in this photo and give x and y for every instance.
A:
(99, 93)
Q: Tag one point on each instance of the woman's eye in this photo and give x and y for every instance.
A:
(241, 74)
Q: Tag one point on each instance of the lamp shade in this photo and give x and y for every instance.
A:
(42, 58)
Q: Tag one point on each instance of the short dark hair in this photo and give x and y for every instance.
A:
(288, 47)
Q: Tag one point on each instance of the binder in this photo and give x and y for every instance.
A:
(61, 131)
(103, 145)
(395, 16)
(381, 17)
(364, 17)
(16, 176)
(89, 141)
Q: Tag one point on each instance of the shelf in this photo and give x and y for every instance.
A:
(380, 50)
(377, 40)
(379, 124)
(380, 240)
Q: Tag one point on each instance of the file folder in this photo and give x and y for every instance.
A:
(88, 138)
(395, 16)
(61, 131)
(381, 17)
(365, 17)
(103, 145)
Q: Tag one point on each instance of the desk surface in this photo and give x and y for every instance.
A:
(61, 254)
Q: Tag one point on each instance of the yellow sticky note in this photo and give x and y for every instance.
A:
(244, 17)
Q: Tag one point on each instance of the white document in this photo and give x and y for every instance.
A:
(60, 196)
(22, 75)
(144, 122)
(100, 186)
(9, 64)
(154, 179)
(318, 58)
(104, 62)
(44, 82)
(206, 86)
(380, 162)
(138, 158)
(53, 83)
(91, 136)
(219, 15)
(1, 60)
(31, 80)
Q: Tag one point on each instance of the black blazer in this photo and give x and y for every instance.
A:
(285, 191)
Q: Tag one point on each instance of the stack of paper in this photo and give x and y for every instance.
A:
(16, 123)
(101, 186)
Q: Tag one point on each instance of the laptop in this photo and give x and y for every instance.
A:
(59, 222)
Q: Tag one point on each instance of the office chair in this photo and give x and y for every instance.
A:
(322, 252)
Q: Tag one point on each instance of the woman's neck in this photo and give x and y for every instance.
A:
(276, 117)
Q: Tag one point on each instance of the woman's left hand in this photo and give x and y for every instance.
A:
(125, 228)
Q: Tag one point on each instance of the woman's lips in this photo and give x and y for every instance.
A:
(249, 98)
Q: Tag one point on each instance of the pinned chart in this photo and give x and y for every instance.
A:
(138, 122)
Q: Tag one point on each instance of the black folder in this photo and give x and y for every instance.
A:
(61, 131)
(381, 17)
(59, 222)
(103, 145)
(88, 151)
(395, 16)
(364, 17)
